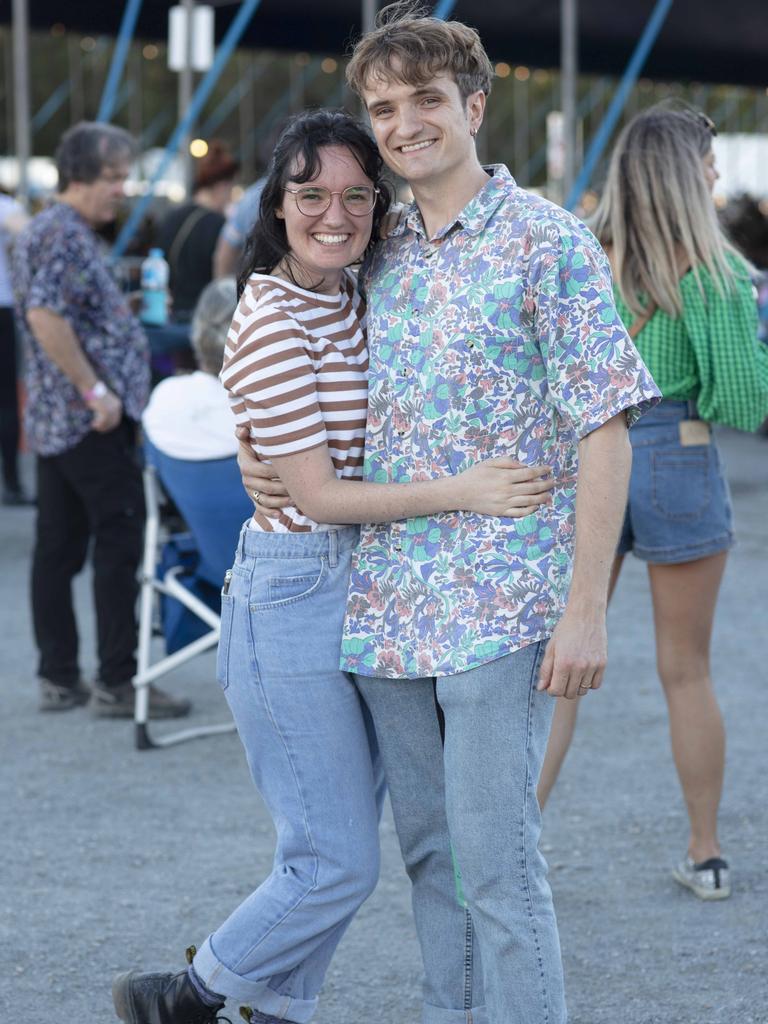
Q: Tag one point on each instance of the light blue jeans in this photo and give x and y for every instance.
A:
(477, 794)
(312, 754)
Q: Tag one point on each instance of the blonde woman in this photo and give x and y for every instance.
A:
(686, 297)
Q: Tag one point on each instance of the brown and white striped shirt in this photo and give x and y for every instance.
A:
(296, 370)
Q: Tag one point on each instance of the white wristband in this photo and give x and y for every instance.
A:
(99, 390)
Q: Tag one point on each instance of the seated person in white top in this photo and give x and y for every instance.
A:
(189, 415)
(296, 368)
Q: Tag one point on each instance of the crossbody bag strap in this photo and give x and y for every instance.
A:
(187, 226)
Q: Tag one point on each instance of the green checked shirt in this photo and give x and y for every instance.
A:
(710, 354)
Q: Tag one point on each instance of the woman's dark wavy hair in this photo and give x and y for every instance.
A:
(299, 146)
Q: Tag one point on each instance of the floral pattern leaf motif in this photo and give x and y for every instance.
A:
(498, 337)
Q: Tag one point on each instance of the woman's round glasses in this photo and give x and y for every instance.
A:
(313, 200)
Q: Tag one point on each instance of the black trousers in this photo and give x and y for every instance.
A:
(9, 401)
(90, 494)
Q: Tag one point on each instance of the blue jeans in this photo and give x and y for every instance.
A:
(475, 793)
(312, 754)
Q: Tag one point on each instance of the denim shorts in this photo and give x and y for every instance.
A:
(679, 505)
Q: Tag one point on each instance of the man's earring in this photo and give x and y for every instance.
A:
(473, 132)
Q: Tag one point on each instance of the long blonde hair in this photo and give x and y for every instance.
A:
(656, 216)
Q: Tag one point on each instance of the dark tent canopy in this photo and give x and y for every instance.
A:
(702, 40)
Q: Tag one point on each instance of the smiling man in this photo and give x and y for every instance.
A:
(492, 331)
(87, 376)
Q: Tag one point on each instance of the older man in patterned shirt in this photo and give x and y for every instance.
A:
(492, 331)
(87, 376)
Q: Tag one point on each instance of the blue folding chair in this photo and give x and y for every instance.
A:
(210, 499)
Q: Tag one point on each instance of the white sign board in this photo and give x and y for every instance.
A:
(201, 50)
(742, 160)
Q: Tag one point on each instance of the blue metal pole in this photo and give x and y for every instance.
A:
(279, 109)
(51, 105)
(603, 133)
(204, 89)
(122, 45)
(155, 128)
(444, 9)
(59, 96)
(231, 100)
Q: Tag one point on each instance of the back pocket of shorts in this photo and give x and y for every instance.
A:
(681, 483)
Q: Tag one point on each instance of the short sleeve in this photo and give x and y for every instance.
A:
(593, 369)
(732, 362)
(64, 279)
(269, 374)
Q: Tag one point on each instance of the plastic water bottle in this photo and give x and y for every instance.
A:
(154, 289)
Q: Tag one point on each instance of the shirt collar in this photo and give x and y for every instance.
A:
(475, 215)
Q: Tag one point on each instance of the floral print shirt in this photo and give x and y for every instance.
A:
(58, 265)
(500, 336)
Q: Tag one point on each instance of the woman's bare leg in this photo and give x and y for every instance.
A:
(684, 598)
(564, 722)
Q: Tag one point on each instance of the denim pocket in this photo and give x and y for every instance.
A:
(225, 640)
(285, 589)
(681, 483)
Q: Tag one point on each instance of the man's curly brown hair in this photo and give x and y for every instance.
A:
(408, 45)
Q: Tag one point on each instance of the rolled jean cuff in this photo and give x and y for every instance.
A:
(218, 978)
(440, 1015)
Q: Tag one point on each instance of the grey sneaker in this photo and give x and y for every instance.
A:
(55, 697)
(119, 702)
(710, 879)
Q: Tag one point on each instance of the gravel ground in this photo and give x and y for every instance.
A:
(113, 858)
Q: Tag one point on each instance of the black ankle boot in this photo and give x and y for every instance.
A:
(161, 999)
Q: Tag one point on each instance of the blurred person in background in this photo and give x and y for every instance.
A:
(239, 224)
(87, 377)
(687, 298)
(188, 415)
(747, 226)
(243, 216)
(12, 219)
(188, 234)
